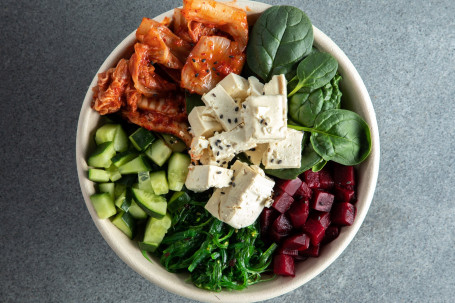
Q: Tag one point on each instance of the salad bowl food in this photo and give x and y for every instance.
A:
(355, 98)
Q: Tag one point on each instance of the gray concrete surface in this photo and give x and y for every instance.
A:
(50, 251)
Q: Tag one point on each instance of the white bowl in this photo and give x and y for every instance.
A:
(355, 97)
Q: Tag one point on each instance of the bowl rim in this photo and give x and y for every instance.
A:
(116, 240)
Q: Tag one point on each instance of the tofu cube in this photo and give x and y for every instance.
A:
(255, 154)
(236, 86)
(226, 110)
(265, 119)
(198, 146)
(256, 88)
(203, 122)
(213, 205)
(202, 177)
(276, 86)
(286, 153)
(226, 145)
(246, 197)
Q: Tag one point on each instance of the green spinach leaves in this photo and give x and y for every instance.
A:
(280, 38)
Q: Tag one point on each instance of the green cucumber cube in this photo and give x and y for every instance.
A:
(98, 175)
(159, 152)
(141, 139)
(102, 155)
(177, 170)
(159, 182)
(103, 204)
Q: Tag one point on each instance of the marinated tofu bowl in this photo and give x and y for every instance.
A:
(206, 166)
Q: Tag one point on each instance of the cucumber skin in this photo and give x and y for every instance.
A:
(124, 220)
(102, 155)
(156, 207)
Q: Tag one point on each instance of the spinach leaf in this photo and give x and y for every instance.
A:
(304, 107)
(192, 100)
(315, 71)
(280, 38)
(319, 166)
(340, 135)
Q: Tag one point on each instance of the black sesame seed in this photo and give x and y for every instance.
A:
(231, 56)
(203, 60)
(253, 149)
(214, 69)
(219, 141)
(217, 74)
(265, 123)
(194, 60)
(207, 71)
(213, 95)
(236, 108)
(216, 62)
(224, 162)
(218, 172)
(222, 192)
(233, 184)
(262, 121)
(243, 105)
(218, 153)
(279, 161)
(230, 183)
(229, 145)
(235, 120)
(220, 147)
(196, 75)
(271, 161)
(249, 157)
(221, 116)
(229, 120)
(232, 178)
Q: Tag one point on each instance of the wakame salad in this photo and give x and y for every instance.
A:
(172, 167)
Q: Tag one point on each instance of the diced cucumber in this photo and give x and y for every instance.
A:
(159, 152)
(127, 180)
(124, 157)
(114, 173)
(98, 175)
(155, 230)
(125, 222)
(119, 189)
(144, 182)
(141, 138)
(106, 133)
(159, 182)
(136, 211)
(107, 188)
(102, 155)
(177, 201)
(103, 204)
(135, 166)
(174, 143)
(125, 200)
(177, 170)
(120, 140)
(154, 205)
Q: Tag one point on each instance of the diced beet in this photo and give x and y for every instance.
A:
(322, 217)
(285, 251)
(299, 242)
(331, 233)
(276, 236)
(312, 251)
(315, 230)
(325, 179)
(298, 213)
(343, 213)
(343, 194)
(282, 225)
(283, 202)
(312, 179)
(322, 201)
(289, 186)
(300, 258)
(283, 265)
(344, 175)
(303, 192)
(267, 218)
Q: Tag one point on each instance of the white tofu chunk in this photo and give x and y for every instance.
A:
(198, 146)
(286, 153)
(207, 158)
(213, 205)
(203, 177)
(276, 86)
(226, 145)
(264, 118)
(255, 154)
(226, 110)
(246, 198)
(256, 88)
(203, 122)
(236, 86)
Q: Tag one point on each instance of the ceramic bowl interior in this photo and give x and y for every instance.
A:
(355, 97)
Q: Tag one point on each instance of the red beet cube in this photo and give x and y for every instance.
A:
(276, 236)
(322, 217)
(298, 213)
(314, 230)
(289, 186)
(322, 201)
(289, 252)
(283, 202)
(304, 192)
(343, 213)
(325, 179)
(331, 233)
(312, 251)
(299, 242)
(283, 265)
(267, 218)
(312, 179)
(282, 225)
(344, 175)
(343, 194)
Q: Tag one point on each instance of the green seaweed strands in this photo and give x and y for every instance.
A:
(216, 255)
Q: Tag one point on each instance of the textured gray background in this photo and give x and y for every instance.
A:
(50, 251)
